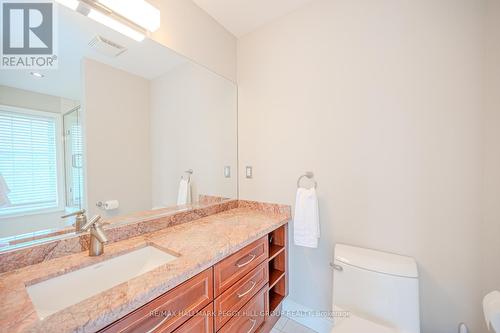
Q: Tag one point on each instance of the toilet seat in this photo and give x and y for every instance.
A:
(356, 324)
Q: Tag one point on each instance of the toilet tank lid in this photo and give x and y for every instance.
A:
(377, 261)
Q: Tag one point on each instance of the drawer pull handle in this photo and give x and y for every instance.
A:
(252, 257)
(253, 321)
(249, 290)
(159, 324)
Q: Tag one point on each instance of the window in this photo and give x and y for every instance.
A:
(28, 160)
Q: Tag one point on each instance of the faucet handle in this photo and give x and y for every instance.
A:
(93, 221)
(96, 230)
(79, 212)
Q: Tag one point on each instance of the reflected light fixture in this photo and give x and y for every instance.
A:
(37, 75)
(132, 18)
(138, 11)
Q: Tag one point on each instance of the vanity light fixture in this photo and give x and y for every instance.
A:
(37, 75)
(132, 18)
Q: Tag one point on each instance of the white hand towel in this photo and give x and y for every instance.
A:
(184, 195)
(491, 309)
(306, 218)
(4, 191)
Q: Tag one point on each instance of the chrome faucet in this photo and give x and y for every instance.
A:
(97, 236)
(80, 220)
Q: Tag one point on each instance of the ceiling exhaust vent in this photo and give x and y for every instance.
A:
(106, 47)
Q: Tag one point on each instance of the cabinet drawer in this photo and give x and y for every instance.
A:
(238, 294)
(203, 322)
(169, 311)
(250, 317)
(234, 267)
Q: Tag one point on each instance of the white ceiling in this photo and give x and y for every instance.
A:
(147, 59)
(243, 16)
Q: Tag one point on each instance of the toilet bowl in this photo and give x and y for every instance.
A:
(378, 290)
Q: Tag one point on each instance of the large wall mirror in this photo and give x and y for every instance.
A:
(121, 128)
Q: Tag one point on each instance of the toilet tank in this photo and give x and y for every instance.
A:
(379, 286)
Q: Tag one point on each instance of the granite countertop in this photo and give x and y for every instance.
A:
(200, 244)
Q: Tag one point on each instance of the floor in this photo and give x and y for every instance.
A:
(287, 325)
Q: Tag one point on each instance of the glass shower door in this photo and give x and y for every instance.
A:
(73, 159)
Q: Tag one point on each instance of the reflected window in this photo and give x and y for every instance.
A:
(29, 171)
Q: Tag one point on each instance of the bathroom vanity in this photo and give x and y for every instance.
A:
(230, 296)
(229, 274)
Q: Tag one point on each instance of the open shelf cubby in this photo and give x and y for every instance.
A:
(277, 293)
(278, 268)
(274, 250)
(277, 241)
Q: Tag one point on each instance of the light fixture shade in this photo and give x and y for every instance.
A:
(37, 75)
(140, 12)
(115, 25)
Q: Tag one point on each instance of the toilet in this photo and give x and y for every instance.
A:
(374, 292)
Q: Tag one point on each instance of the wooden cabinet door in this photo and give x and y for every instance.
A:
(203, 322)
(251, 316)
(239, 294)
(234, 267)
(169, 311)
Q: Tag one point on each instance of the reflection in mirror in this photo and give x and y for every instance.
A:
(121, 128)
(32, 164)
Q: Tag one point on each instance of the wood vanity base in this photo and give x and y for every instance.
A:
(240, 294)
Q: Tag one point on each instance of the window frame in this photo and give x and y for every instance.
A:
(59, 159)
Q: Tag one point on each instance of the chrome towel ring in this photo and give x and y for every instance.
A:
(308, 175)
(188, 174)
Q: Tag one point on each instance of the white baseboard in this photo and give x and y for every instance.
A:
(316, 323)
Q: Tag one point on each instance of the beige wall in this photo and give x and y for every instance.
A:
(193, 126)
(382, 100)
(491, 248)
(116, 115)
(187, 29)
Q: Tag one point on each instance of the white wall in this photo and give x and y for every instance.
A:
(187, 29)
(382, 100)
(116, 114)
(491, 229)
(15, 226)
(26, 99)
(193, 126)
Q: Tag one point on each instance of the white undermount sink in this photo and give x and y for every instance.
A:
(53, 295)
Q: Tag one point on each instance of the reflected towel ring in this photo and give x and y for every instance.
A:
(309, 175)
(188, 173)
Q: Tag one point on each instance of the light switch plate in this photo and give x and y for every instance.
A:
(249, 172)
